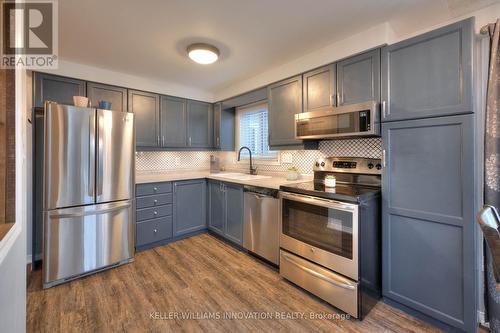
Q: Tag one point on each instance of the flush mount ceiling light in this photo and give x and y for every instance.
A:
(203, 53)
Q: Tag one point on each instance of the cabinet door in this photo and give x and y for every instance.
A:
(145, 107)
(97, 92)
(319, 89)
(224, 128)
(56, 89)
(189, 206)
(285, 100)
(173, 122)
(216, 207)
(200, 124)
(428, 217)
(429, 75)
(358, 78)
(234, 212)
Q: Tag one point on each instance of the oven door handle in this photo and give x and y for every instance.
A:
(319, 275)
(319, 201)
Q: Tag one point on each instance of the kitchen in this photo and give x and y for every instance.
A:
(333, 185)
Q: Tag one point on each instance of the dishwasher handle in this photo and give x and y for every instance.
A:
(261, 192)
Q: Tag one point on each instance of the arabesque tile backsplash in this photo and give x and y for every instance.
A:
(302, 159)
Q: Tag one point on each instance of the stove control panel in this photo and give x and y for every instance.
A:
(349, 165)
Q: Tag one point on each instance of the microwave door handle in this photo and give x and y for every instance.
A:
(319, 275)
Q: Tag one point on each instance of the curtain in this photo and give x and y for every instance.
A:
(492, 163)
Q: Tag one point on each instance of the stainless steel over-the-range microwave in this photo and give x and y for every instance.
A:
(353, 120)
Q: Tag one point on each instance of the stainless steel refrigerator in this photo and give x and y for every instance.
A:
(88, 191)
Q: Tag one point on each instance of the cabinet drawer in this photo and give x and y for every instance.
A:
(151, 213)
(153, 188)
(154, 200)
(153, 230)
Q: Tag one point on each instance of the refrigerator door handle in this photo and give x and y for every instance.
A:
(83, 212)
(91, 166)
(100, 156)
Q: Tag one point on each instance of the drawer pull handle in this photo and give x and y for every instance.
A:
(155, 201)
(155, 212)
(319, 275)
(155, 189)
(155, 231)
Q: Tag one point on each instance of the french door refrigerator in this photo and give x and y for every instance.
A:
(88, 191)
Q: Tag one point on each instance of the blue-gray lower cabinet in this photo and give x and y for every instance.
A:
(428, 218)
(189, 206)
(153, 214)
(234, 212)
(216, 205)
(225, 211)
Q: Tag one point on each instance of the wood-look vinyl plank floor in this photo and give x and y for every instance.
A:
(200, 276)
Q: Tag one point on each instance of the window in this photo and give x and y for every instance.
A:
(253, 132)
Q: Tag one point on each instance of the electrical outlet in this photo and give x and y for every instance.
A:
(286, 158)
(177, 161)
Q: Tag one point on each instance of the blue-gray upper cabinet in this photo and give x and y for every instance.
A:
(200, 124)
(320, 88)
(216, 204)
(224, 128)
(428, 218)
(173, 122)
(429, 75)
(358, 78)
(284, 101)
(145, 107)
(189, 206)
(56, 89)
(97, 92)
(234, 212)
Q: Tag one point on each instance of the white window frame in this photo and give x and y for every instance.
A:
(255, 159)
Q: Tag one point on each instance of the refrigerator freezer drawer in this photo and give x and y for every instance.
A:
(81, 240)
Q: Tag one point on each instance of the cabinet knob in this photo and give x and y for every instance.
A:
(155, 201)
(155, 212)
(155, 189)
(155, 231)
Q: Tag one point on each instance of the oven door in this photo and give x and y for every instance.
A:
(321, 230)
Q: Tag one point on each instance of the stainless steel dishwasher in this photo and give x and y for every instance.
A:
(261, 227)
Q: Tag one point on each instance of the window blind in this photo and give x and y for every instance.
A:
(253, 132)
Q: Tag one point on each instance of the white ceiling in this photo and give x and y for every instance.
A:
(148, 38)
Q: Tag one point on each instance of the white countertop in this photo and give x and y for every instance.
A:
(273, 182)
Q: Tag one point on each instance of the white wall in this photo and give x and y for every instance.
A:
(386, 33)
(91, 73)
(13, 245)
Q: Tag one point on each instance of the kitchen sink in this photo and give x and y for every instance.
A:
(239, 176)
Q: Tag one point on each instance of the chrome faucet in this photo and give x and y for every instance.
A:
(253, 171)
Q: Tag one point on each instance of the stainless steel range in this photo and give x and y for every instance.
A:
(330, 237)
